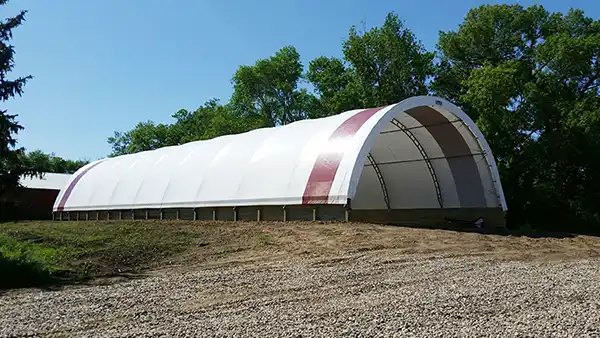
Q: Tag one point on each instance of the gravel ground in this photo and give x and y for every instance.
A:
(382, 293)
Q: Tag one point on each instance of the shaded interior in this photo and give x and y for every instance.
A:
(426, 157)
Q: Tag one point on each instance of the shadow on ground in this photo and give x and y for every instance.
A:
(469, 228)
(16, 274)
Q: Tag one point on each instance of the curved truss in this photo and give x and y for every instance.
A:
(386, 197)
(417, 144)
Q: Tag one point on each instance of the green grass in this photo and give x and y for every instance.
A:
(45, 253)
(265, 239)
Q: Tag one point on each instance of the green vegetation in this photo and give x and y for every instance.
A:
(529, 78)
(50, 163)
(44, 253)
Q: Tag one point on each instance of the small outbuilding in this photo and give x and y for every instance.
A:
(34, 199)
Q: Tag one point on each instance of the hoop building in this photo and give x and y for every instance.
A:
(419, 160)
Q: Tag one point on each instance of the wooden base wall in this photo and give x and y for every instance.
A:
(493, 217)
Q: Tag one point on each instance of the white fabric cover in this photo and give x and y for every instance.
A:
(272, 166)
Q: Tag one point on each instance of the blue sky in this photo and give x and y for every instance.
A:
(101, 66)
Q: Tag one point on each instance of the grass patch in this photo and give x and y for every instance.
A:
(265, 239)
(42, 253)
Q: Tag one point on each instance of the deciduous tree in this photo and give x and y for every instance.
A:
(530, 79)
(381, 66)
(269, 89)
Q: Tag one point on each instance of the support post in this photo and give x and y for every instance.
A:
(97, 215)
(120, 215)
(195, 214)
(235, 214)
(284, 214)
(60, 215)
(161, 214)
(347, 210)
(147, 214)
(77, 216)
(214, 214)
(314, 211)
(87, 215)
(177, 214)
(68, 215)
(258, 214)
(108, 215)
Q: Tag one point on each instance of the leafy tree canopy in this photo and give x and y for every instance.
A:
(50, 163)
(381, 66)
(530, 79)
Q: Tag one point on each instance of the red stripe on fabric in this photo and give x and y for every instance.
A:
(65, 196)
(327, 163)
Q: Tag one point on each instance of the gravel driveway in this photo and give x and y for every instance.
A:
(381, 293)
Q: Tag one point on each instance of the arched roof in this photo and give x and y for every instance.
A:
(396, 156)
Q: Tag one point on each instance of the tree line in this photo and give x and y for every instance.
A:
(528, 77)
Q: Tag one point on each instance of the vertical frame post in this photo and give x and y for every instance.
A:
(347, 210)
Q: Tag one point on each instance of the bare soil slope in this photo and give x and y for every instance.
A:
(304, 279)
